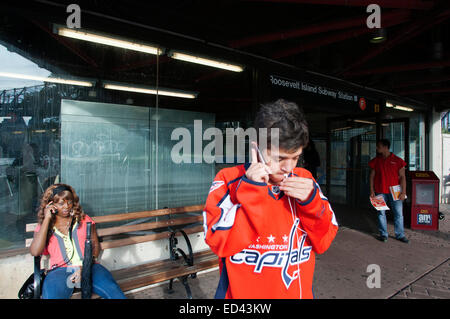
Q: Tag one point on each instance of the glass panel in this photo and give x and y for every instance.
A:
(416, 143)
(181, 184)
(29, 153)
(395, 133)
(424, 194)
(338, 162)
(321, 147)
(109, 153)
(105, 156)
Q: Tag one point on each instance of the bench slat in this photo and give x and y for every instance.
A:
(162, 273)
(149, 213)
(143, 268)
(148, 226)
(140, 239)
(153, 266)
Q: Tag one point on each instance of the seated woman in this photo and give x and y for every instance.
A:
(60, 219)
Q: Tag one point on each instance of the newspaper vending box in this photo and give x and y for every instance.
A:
(424, 186)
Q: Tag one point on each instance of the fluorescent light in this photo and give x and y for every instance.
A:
(106, 40)
(365, 122)
(403, 108)
(379, 35)
(341, 128)
(399, 107)
(150, 90)
(204, 61)
(44, 79)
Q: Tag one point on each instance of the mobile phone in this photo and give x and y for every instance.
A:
(54, 211)
(260, 156)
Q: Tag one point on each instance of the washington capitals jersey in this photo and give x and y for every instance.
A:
(266, 240)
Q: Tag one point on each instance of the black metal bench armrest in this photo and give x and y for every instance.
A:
(173, 241)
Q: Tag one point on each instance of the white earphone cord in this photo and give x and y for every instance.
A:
(294, 214)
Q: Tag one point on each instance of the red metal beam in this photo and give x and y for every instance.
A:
(408, 32)
(399, 4)
(416, 82)
(141, 64)
(73, 48)
(314, 29)
(401, 68)
(211, 75)
(424, 91)
(338, 37)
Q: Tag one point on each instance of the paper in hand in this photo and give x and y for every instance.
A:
(378, 203)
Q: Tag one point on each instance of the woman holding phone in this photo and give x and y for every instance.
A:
(61, 233)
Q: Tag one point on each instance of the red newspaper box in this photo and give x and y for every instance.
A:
(424, 200)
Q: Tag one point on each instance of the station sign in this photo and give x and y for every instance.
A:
(319, 90)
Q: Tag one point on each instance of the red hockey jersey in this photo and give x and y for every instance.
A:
(266, 241)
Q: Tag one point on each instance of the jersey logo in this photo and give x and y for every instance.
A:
(278, 259)
(215, 185)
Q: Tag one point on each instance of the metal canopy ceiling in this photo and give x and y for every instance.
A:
(329, 37)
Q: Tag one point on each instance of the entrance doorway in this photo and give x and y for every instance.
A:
(397, 132)
(351, 144)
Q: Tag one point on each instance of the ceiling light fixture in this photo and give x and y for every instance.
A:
(150, 90)
(44, 79)
(403, 108)
(204, 61)
(341, 128)
(399, 107)
(378, 36)
(365, 122)
(108, 40)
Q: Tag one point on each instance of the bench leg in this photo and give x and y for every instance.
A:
(170, 289)
(184, 281)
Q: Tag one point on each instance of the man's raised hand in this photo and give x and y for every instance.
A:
(257, 172)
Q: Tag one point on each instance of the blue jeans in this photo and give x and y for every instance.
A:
(396, 207)
(58, 286)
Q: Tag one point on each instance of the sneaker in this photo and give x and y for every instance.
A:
(403, 240)
(382, 238)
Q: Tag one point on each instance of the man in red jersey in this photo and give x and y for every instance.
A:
(267, 219)
(387, 170)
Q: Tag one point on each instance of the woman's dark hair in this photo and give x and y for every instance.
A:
(67, 194)
(289, 119)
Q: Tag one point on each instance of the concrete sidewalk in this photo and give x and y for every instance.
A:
(420, 269)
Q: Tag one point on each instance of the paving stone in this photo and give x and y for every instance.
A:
(417, 289)
(425, 282)
(439, 293)
(399, 296)
(418, 296)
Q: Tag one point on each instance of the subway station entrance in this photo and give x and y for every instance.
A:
(345, 122)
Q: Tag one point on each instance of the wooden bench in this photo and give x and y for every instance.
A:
(170, 225)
